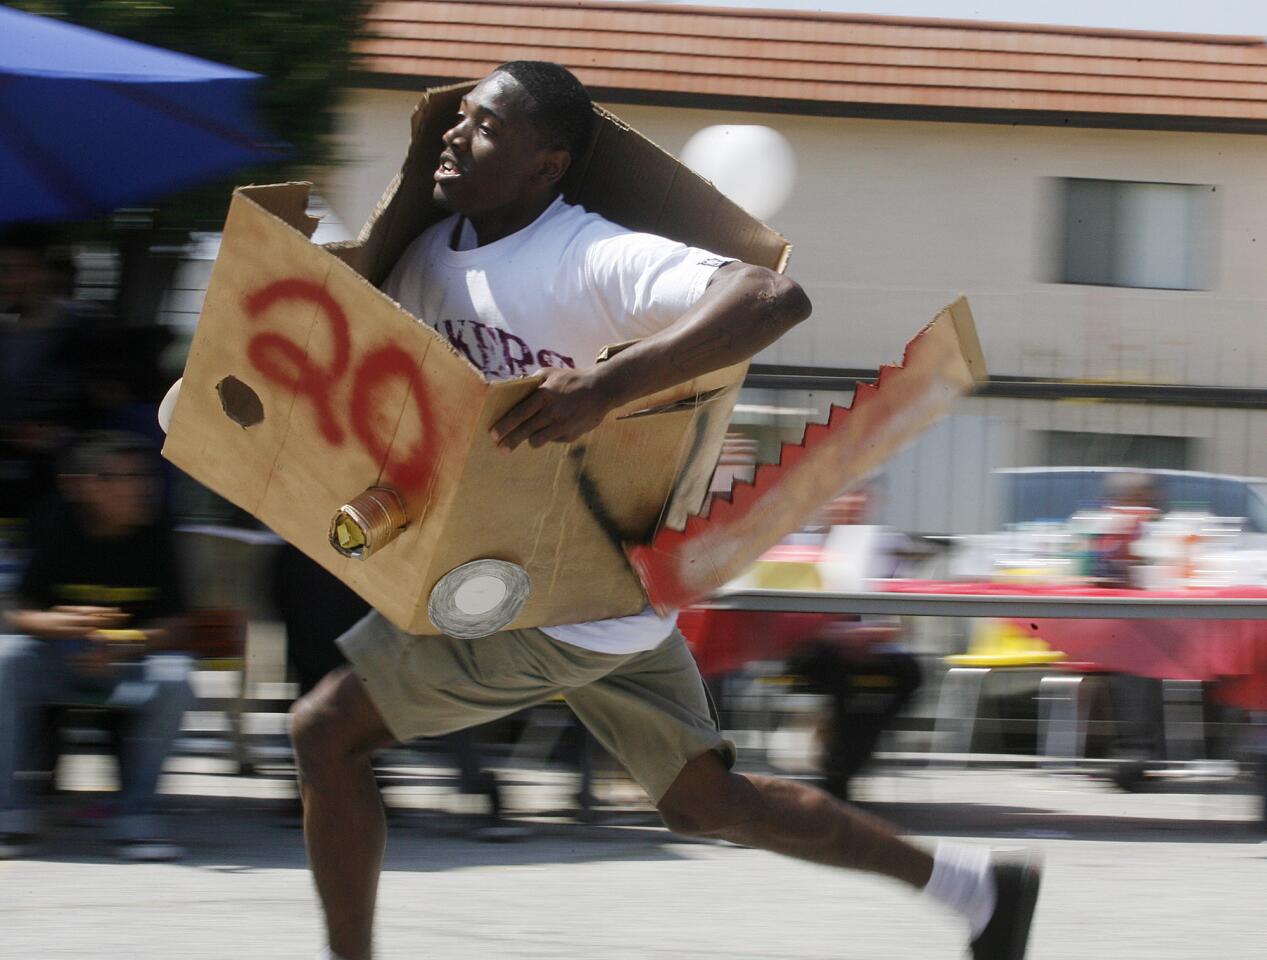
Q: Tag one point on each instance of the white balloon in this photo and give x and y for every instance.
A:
(754, 166)
(168, 405)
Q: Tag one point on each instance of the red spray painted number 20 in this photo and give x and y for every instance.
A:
(288, 365)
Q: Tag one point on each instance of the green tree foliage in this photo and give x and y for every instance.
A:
(302, 47)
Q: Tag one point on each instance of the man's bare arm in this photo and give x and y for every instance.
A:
(745, 309)
(64, 623)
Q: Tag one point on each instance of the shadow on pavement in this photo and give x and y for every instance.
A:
(975, 819)
(233, 834)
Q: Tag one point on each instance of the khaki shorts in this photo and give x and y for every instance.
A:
(650, 710)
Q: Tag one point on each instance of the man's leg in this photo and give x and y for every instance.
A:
(652, 709)
(996, 898)
(788, 817)
(335, 729)
(156, 693)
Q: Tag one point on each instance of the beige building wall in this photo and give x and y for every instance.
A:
(371, 138)
(893, 219)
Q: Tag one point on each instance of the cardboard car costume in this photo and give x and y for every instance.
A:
(360, 435)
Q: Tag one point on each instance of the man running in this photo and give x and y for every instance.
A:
(516, 258)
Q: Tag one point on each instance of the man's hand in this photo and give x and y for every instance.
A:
(566, 405)
(71, 623)
(743, 310)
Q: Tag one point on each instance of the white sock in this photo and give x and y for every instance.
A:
(962, 880)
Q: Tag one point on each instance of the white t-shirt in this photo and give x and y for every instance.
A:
(553, 295)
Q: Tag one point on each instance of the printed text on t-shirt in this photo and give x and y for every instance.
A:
(498, 352)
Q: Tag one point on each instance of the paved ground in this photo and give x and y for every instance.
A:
(1174, 873)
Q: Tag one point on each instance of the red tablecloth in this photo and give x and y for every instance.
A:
(723, 641)
(1232, 652)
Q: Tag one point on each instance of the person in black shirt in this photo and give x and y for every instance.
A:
(38, 382)
(97, 621)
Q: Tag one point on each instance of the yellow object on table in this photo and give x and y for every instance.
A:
(1001, 643)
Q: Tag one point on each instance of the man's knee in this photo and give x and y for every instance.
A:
(170, 675)
(686, 819)
(314, 727)
(335, 723)
(706, 799)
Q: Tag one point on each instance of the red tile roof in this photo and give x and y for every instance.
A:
(832, 63)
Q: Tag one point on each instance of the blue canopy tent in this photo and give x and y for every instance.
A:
(90, 122)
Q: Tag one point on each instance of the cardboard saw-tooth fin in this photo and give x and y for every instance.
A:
(792, 454)
(862, 393)
(941, 363)
(814, 434)
(747, 494)
(887, 371)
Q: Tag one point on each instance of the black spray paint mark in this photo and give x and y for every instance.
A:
(593, 500)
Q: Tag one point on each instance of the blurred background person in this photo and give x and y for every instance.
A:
(858, 663)
(1139, 739)
(39, 385)
(97, 621)
(1132, 500)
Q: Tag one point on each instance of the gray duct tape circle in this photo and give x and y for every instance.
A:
(478, 598)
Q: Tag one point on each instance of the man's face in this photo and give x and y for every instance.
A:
(493, 157)
(123, 495)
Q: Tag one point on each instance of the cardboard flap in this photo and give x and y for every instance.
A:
(408, 207)
(632, 181)
(969, 342)
(286, 201)
(342, 390)
(622, 175)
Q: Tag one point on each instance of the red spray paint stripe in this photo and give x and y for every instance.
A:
(414, 470)
(272, 354)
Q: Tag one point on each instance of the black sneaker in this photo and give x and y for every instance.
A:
(1007, 933)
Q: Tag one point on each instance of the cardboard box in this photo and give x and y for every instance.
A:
(305, 386)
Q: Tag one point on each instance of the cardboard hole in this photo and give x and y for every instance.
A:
(240, 403)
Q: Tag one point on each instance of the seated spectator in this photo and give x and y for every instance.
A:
(97, 622)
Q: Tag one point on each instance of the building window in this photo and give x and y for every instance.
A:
(1122, 233)
(1073, 448)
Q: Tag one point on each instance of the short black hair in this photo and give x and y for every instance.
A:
(88, 454)
(564, 112)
